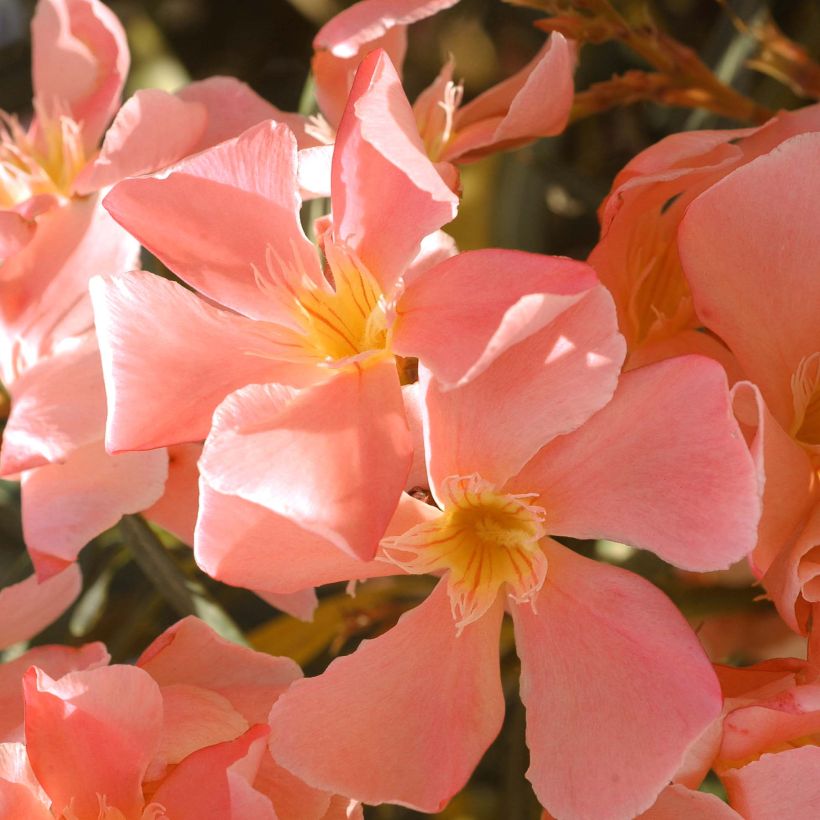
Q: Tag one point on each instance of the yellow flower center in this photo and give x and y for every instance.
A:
(484, 539)
(43, 163)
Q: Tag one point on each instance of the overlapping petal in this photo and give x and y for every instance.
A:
(616, 688)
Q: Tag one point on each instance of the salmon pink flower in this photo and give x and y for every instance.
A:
(638, 257)
(534, 102)
(746, 258)
(302, 365)
(180, 735)
(615, 684)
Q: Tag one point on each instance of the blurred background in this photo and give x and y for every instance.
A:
(541, 198)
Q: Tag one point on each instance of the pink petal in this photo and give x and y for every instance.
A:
(292, 798)
(616, 688)
(44, 288)
(19, 802)
(219, 216)
(534, 102)
(775, 784)
(55, 661)
(79, 61)
(679, 803)
(461, 314)
(66, 505)
(246, 545)
(544, 386)
(152, 130)
(343, 442)
(29, 607)
(163, 389)
(191, 653)
(58, 406)
(367, 20)
(405, 718)
(15, 233)
(177, 509)
(214, 783)
(301, 604)
(746, 259)
(686, 488)
(386, 194)
(112, 716)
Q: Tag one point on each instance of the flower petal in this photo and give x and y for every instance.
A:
(151, 130)
(241, 543)
(682, 483)
(419, 697)
(177, 509)
(220, 216)
(30, 606)
(112, 715)
(461, 314)
(333, 457)
(746, 257)
(616, 688)
(679, 803)
(544, 386)
(163, 389)
(66, 505)
(386, 195)
(79, 62)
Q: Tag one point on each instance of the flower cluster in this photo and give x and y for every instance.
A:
(351, 399)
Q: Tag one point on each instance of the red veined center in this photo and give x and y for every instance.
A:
(484, 539)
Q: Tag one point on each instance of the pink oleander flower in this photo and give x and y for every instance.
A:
(638, 256)
(181, 735)
(294, 371)
(747, 256)
(615, 684)
(534, 102)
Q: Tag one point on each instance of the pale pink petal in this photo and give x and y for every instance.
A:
(44, 288)
(55, 661)
(534, 102)
(193, 717)
(459, 315)
(214, 783)
(79, 62)
(334, 75)
(405, 718)
(234, 107)
(152, 130)
(544, 386)
(58, 406)
(787, 478)
(746, 257)
(616, 688)
(413, 410)
(792, 580)
(314, 173)
(15, 233)
(679, 803)
(777, 785)
(163, 388)
(240, 543)
(386, 194)
(436, 247)
(368, 20)
(223, 218)
(682, 483)
(112, 716)
(333, 457)
(191, 653)
(65, 505)
(177, 510)
(29, 607)
(301, 604)
(292, 798)
(19, 802)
